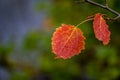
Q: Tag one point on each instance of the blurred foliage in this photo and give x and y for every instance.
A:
(96, 62)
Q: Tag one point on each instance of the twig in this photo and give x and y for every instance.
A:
(105, 7)
(106, 3)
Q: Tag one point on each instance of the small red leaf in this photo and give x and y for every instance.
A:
(101, 30)
(67, 41)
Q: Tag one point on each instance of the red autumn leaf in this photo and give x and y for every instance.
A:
(67, 41)
(101, 30)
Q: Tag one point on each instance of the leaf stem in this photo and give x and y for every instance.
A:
(84, 21)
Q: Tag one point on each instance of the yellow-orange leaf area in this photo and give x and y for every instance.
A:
(101, 30)
(67, 41)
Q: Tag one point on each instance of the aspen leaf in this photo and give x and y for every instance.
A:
(101, 30)
(67, 41)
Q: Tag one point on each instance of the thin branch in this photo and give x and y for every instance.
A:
(106, 3)
(105, 7)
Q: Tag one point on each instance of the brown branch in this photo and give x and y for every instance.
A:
(105, 7)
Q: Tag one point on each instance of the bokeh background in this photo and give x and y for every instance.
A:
(26, 28)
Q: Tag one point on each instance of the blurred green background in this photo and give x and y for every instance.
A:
(34, 60)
